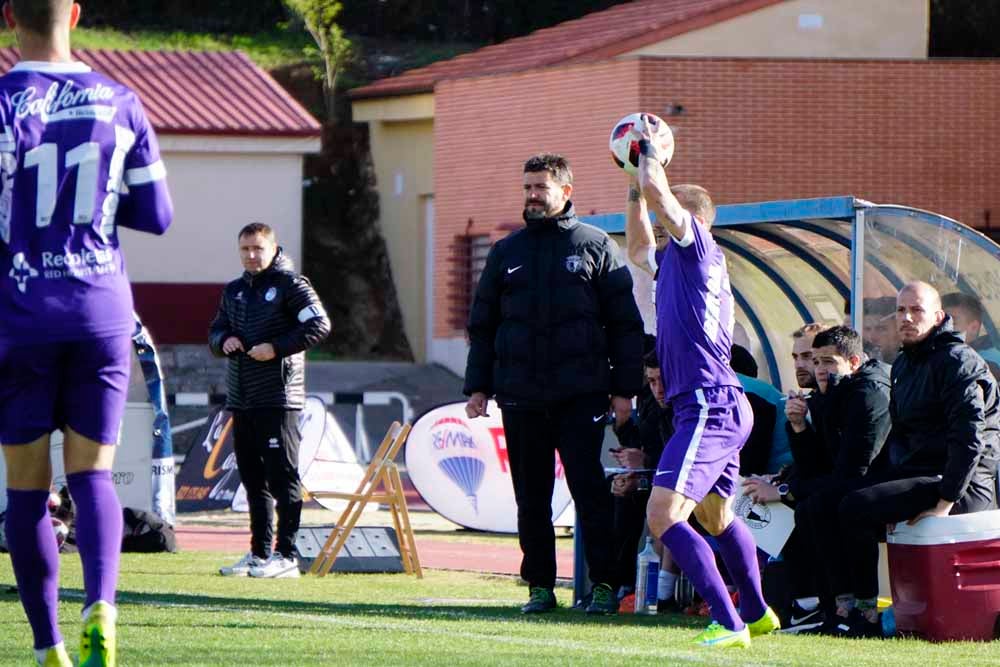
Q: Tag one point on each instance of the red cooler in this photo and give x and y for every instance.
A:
(945, 575)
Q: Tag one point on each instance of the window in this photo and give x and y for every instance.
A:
(468, 260)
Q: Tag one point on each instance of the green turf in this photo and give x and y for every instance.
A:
(176, 611)
(268, 50)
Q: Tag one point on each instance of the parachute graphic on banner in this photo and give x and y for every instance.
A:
(459, 456)
(461, 470)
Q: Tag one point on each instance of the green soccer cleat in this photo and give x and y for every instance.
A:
(56, 657)
(765, 625)
(541, 601)
(602, 600)
(718, 636)
(97, 643)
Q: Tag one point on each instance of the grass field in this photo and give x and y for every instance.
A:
(281, 47)
(176, 611)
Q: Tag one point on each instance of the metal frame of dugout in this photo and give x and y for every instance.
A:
(806, 260)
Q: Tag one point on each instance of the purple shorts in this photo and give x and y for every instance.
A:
(711, 425)
(80, 384)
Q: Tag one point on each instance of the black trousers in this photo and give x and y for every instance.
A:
(629, 523)
(823, 550)
(799, 554)
(576, 430)
(266, 442)
(865, 513)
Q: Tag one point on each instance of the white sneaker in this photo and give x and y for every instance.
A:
(241, 568)
(277, 567)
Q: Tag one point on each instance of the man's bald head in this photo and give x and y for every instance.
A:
(918, 312)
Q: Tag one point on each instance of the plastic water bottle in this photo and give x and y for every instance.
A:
(889, 623)
(646, 578)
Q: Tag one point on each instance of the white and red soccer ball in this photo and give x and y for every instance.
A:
(624, 141)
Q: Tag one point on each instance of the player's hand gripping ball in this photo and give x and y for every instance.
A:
(629, 130)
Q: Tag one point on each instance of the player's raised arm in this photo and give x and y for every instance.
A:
(639, 239)
(654, 187)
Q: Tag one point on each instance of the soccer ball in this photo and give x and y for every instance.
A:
(61, 531)
(625, 147)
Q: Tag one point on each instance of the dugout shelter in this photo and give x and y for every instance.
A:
(809, 260)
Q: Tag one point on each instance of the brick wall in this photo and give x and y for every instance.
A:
(921, 133)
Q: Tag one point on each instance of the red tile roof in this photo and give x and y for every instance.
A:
(596, 36)
(188, 92)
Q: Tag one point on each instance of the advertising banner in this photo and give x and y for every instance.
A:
(460, 467)
(209, 480)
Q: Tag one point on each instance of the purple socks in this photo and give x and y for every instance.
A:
(692, 553)
(35, 557)
(98, 532)
(739, 553)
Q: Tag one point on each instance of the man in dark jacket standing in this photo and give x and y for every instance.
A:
(554, 332)
(942, 449)
(267, 319)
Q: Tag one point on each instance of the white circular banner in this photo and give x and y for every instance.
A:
(460, 467)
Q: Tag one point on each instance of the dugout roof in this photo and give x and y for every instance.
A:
(200, 92)
(804, 260)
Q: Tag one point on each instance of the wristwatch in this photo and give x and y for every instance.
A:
(783, 490)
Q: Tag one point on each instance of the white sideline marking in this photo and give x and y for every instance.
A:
(418, 626)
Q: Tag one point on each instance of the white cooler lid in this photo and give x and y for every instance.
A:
(975, 527)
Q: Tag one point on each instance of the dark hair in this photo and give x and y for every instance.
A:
(650, 360)
(695, 199)
(257, 228)
(846, 340)
(39, 16)
(742, 361)
(810, 329)
(967, 302)
(556, 165)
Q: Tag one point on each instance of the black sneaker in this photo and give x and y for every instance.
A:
(853, 626)
(540, 600)
(602, 601)
(859, 627)
(801, 620)
(669, 606)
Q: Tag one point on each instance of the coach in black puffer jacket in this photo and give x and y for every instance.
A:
(556, 337)
(268, 318)
(554, 317)
(276, 306)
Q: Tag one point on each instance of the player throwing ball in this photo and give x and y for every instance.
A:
(700, 464)
(78, 158)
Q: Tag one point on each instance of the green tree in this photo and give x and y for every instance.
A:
(320, 19)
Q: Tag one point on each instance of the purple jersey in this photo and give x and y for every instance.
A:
(78, 158)
(694, 314)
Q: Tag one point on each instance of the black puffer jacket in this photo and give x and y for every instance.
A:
(856, 421)
(944, 414)
(554, 317)
(276, 306)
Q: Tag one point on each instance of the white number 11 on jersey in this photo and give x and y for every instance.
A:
(86, 158)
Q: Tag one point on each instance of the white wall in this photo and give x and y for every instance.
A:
(218, 185)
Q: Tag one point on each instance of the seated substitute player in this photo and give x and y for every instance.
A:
(700, 463)
(78, 158)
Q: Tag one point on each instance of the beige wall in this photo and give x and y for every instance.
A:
(219, 185)
(402, 142)
(812, 28)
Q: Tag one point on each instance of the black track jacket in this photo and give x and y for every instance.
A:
(276, 306)
(554, 317)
